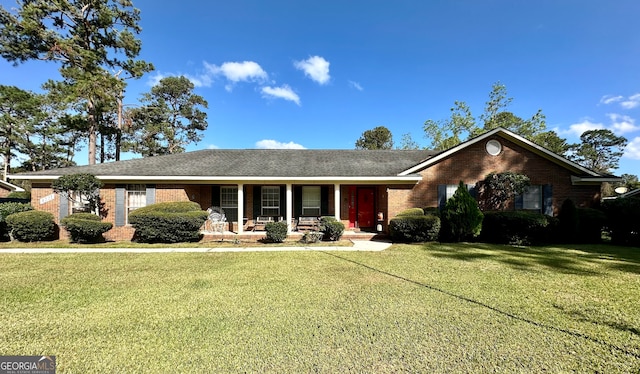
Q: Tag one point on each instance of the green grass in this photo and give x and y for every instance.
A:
(412, 308)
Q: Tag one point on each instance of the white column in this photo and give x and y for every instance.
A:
(240, 207)
(289, 217)
(336, 200)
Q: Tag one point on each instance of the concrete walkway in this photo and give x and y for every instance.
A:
(358, 245)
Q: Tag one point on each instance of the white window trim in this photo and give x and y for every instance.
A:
(229, 207)
(267, 191)
(141, 192)
(311, 204)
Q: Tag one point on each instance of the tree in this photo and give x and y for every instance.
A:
(629, 181)
(408, 142)
(498, 188)
(599, 150)
(377, 138)
(80, 188)
(170, 120)
(19, 110)
(92, 40)
(462, 126)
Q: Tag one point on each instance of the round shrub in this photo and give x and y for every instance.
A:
(411, 229)
(411, 212)
(85, 227)
(170, 222)
(516, 227)
(332, 228)
(7, 209)
(31, 226)
(276, 231)
(432, 211)
(461, 218)
(312, 237)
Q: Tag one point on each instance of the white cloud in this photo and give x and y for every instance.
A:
(245, 71)
(633, 149)
(315, 67)
(579, 128)
(609, 99)
(622, 124)
(274, 144)
(212, 146)
(203, 80)
(355, 85)
(282, 92)
(631, 102)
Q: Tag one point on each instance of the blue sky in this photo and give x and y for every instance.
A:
(316, 74)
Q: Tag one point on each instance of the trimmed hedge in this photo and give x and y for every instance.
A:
(31, 226)
(409, 229)
(411, 212)
(85, 227)
(20, 195)
(332, 228)
(276, 231)
(517, 227)
(7, 209)
(170, 222)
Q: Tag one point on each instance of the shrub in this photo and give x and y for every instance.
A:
(568, 229)
(85, 227)
(431, 211)
(20, 195)
(312, 237)
(31, 226)
(590, 224)
(332, 228)
(461, 219)
(7, 209)
(411, 212)
(170, 222)
(410, 229)
(276, 231)
(516, 227)
(623, 220)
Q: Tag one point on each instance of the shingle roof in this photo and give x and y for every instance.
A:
(257, 163)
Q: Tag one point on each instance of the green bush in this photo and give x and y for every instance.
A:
(276, 231)
(461, 219)
(517, 228)
(568, 226)
(591, 222)
(171, 222)
(31, 226)
(623, 220)
(85, 227)
(7, 209)
(332, 228)
(20, 195)
(410, 229)
(432, 211)
(411, 212)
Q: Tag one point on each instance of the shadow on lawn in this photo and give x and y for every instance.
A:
(598, 319)
(568, 259)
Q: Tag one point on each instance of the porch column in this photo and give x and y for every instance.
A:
(289, 206)
(336, 201)
(240, 207)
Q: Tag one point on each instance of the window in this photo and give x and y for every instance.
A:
(311, 200)
(532, 198)
(229, 202)
(270, 201)
(136, 197)
(79, 203)
(446, 191)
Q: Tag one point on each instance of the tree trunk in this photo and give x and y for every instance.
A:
(91, 119)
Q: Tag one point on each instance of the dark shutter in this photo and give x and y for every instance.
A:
(547, 199)
(297, 201)
(215, 196)
(473, 190)
(64, 206)
(120, 205)
(324, 200)
(257, 200)
(442, 196)
(283, 200)
(519, 201)
(151, 194)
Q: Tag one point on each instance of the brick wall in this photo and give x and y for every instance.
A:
(473, 163)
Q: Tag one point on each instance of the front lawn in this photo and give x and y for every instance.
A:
(412, 308)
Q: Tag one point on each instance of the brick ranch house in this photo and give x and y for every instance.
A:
(361, 188)
(6, 188)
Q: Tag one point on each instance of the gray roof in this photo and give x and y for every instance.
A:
(287, 163)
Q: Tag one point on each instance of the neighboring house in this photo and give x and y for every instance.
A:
(6, 188)
(361, 188)
(630, 194)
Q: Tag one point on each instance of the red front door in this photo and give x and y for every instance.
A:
(366, 207)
